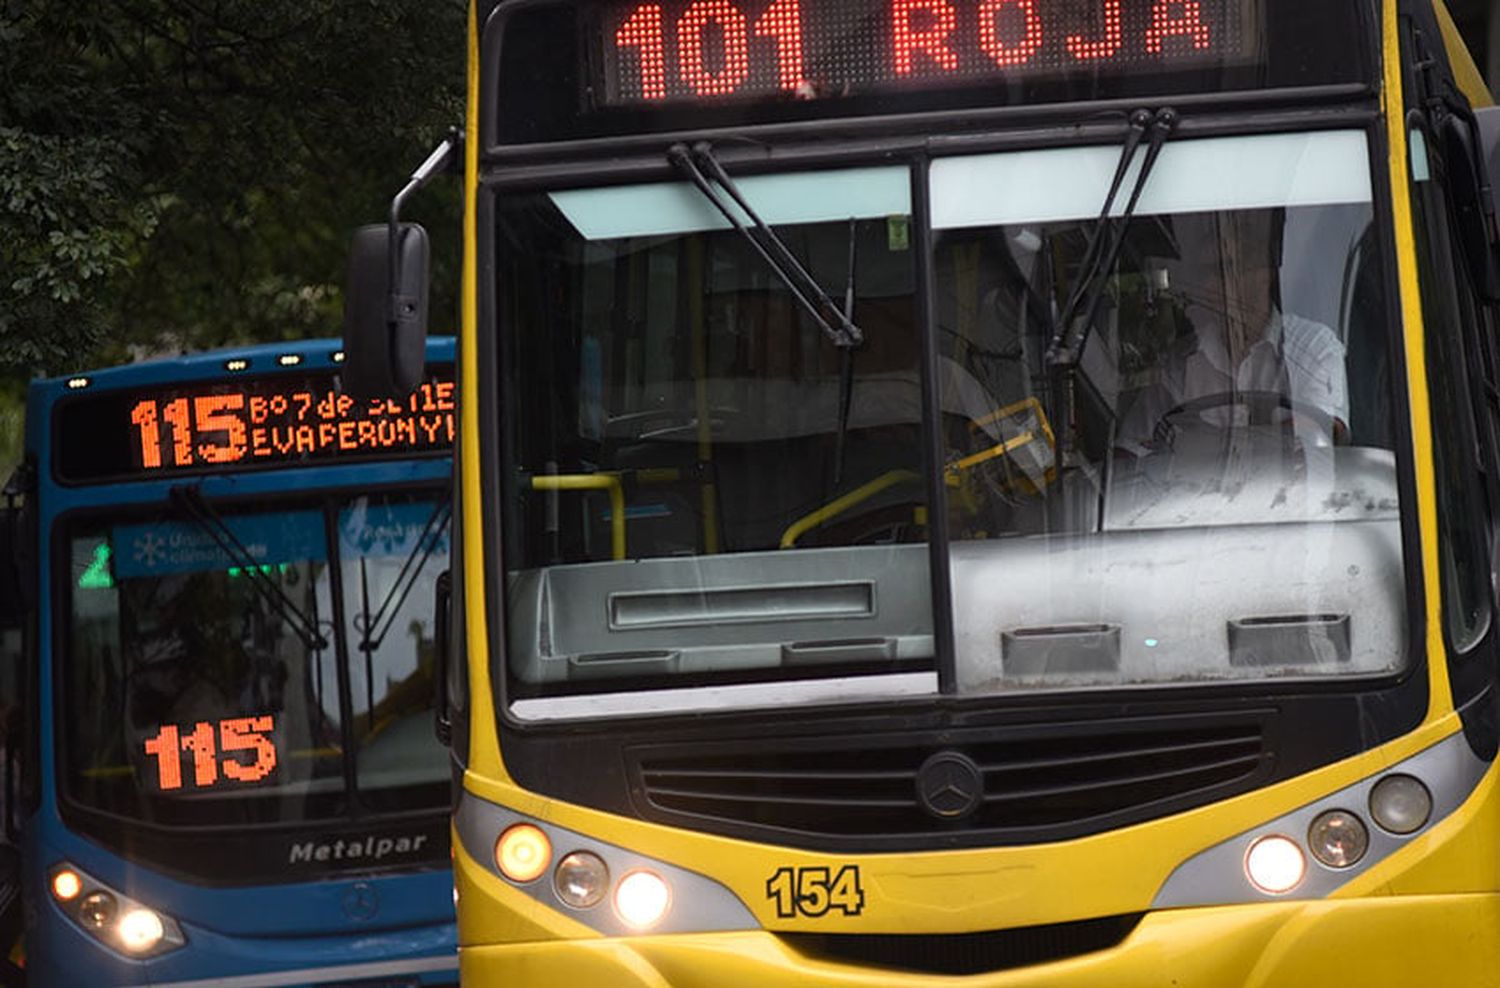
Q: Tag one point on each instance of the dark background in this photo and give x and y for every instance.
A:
(1479, 20)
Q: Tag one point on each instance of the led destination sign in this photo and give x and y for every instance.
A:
(241, 750)
(228, 426)
(658, 51)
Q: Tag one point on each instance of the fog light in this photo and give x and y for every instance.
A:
(66, 885)
(523, 853)
(642, 899)
(581, 879)
(1400, 804)
(97, 910)
(1275, 864)
(140, 929)
(1338, 838)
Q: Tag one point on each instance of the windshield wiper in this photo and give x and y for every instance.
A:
(374, 627)
(846, 363)
(192, 504)
(1106, 241)
(705, 172)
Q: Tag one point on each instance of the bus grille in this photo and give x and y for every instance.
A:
(966, 953)
(1055, 782)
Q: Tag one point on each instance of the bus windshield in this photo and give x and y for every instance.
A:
(702, 488)
(204, 662)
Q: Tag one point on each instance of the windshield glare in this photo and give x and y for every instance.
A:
(212, 708)
(701, 488)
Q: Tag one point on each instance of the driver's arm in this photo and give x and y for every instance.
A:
(1313, 356)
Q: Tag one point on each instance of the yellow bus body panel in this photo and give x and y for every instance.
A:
(1435, 941)
(1429, 914)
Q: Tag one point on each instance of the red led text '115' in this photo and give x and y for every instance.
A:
(237, 737)
(216, 429)
(718, 46)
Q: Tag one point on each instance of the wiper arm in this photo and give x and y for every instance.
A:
(385, 615)
(846, 363)
(1065, 354)
(376, 626)
(1107, 239)
(192, 504)
(705, 172)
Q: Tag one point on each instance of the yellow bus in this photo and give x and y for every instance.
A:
(986, 492)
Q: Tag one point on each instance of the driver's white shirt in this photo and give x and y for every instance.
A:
(1296, 357)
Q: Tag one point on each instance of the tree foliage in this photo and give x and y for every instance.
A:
(186, 173)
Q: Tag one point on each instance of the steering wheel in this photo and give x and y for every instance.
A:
(1262, 405)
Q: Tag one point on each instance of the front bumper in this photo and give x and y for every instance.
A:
(1396, 941)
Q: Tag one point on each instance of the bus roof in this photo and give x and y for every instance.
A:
(214, 364)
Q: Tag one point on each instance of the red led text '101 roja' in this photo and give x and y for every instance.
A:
(710, 48)
(235, 735)
(245, 427)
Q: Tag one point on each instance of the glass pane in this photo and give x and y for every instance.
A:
(391, 550)
(1449, 318)
(701, 486)
(1212, 493)
(204, 704)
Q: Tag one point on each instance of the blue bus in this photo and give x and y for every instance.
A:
(228, 773)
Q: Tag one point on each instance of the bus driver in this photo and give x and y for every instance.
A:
(1247, 362)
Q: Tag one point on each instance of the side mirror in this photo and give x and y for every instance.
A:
(385, 311)
(385, 297)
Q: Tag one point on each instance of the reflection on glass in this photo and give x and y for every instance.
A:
(209, 707)
(1213, 492)
(700, 486)
(391, 550)
(171, 640)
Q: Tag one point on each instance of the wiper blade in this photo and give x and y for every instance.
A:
(192, 504)
(846, 363)
(705, 172)
(374, 627)
(1107, 239)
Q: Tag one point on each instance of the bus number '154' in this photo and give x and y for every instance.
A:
(237, 734)
(816, 891)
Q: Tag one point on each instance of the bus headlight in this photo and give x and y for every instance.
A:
(1338, 838)
(1275, 864)
(523, 853)
(140, 929)
(1400, 804)
(581, 879)
(642, 898)
(97, 910)
(66, 885)
(116, 920)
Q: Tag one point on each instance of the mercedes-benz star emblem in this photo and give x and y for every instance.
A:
(361, 902)
(950, 785)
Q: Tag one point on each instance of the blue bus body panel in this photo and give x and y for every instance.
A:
(390, 927)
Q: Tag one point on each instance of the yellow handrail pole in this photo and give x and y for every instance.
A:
(864, 492)
(593, 482)
(1013, 408)
(839, 505)
(975, 459)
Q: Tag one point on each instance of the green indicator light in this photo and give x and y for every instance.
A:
(96, 576)
(265, 568)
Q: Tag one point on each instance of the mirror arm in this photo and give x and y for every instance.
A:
(443, 159)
